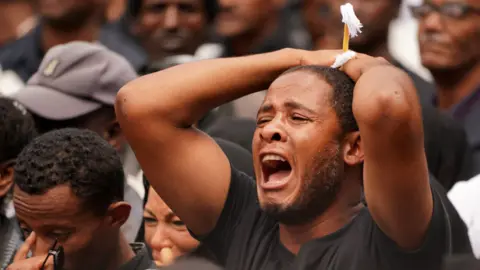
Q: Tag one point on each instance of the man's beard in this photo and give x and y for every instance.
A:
(318, 191)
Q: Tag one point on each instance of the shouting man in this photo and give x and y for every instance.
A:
(323, 140)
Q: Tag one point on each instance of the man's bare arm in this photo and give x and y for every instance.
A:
(396, 182)
(186, 167)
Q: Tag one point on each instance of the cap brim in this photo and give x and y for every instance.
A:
(54, 105)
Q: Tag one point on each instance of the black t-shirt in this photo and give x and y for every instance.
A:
(141, 261)
(246, 238)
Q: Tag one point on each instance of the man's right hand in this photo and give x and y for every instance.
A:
(21, 262)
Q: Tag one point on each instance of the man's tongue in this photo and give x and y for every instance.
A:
(279, 176)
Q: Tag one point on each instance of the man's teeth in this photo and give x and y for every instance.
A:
(273, 157)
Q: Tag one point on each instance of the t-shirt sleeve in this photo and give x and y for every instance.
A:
(445, 232)
(241, 196)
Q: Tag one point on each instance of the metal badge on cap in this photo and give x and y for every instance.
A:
(48, 71)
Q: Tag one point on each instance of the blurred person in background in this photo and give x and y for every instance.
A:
(252, 26)
(17, 18)
(115, 9)
(61, 21)
(17, 129)
(69, 190)
(248, 27)
(165, 233)
(155, 34)
(76, 86)
(449, 38)
(323, 22)
(449, 156)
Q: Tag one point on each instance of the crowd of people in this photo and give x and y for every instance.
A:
(214, 134)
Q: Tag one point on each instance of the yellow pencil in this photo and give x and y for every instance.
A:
(346, 38)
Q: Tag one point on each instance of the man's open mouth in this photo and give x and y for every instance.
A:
(276, 171)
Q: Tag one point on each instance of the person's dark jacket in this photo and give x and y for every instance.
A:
(448, 153)
(10, 240)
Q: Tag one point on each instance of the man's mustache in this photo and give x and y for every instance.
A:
(178, 33)
(433, 37)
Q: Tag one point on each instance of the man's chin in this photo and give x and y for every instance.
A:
(286, 214)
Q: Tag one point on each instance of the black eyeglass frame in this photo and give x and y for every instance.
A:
(463, 10)
(58, 256)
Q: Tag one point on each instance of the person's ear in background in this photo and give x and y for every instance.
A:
(17, 129)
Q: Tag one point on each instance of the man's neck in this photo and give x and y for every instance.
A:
(454, 85)
(293, 237)
(51, 36)
(340, 213)
(244, 44)
(123, 254)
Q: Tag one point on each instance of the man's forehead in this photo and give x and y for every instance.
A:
(303, 87)
(56, 202)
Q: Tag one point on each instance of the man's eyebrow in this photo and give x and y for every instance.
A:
(150, 212)
(265, 108)
(295, 105)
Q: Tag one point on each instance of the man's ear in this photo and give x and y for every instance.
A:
(6, 178)
(118, 213)
(352, 149)
(114, 136)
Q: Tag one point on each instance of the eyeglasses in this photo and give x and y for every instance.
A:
(450, 10)
(58, 256)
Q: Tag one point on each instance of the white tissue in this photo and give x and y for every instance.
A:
(343, 58)
(350, 19)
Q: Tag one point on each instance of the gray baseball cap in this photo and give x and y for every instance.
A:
(74, 79)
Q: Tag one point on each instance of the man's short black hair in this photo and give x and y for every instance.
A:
(342, 95)
(211, 8)
(78, 158)
(17, 129)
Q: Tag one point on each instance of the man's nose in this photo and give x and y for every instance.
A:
(160, 238)
(42, 245)
(273, 131)
(171, 17)
(432, 22)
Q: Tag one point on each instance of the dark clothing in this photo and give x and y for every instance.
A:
(467, 112)
(10, 240)
(141, 261)
(463, 262)
(246, 238)
(239, 157)
(24, 55)
(237, 130)
(449, 155)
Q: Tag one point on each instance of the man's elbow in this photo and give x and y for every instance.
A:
(396, 106)
(127, 107)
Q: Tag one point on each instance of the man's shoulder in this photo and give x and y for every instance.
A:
(20, 56)
(141, 261)
(13, 50)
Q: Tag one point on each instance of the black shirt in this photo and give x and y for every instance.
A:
(141, 261)
(246, 238)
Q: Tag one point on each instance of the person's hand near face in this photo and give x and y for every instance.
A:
(165, 233)
(22, 262)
